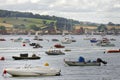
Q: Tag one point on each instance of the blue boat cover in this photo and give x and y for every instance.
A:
(81, 59)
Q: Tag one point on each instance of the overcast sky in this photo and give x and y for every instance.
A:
(100, 11)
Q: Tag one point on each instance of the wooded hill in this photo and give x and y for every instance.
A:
(27, 20)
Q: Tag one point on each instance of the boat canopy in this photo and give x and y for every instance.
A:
(81, 59)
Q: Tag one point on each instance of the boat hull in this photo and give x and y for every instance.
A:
(54, 53)
(23, 58)
(75, 63)
(30, 72)
(113, 51)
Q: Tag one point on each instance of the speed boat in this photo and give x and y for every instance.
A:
(113, 51)
(32, 71)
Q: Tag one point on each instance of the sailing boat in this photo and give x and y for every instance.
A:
(29, 34)
(37, 37)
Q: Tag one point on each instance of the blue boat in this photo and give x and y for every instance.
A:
(93, 40)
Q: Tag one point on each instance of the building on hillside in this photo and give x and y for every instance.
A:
(84, 29)
(8, 27)
(113, 30)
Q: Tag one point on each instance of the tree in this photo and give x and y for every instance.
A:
(111, 24)
(4, 21)
(21, 26)
(81, 30)
(102, 28)
(34, 27)
(44, 22)
(2, 28)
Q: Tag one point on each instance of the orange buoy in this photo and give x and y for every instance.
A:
(46, 64)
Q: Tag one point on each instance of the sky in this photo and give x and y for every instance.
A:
(98, 11)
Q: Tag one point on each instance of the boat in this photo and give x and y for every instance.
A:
(112, 39)
(1, 39)
(93, 40)
(38, 37)
(105, 43)
(72, 39)
(18, 39)
(55, 40)
(32, 71)
(54, 52)
(67, 50)
(66, 41)
(85, 63)
(2, 58)
(26, 41)
(32, 44)
(113, 51)
(38, 46)
(58, 46)
(25, 56)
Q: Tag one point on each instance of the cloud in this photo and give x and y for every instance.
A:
(64, 5)
(68, 8)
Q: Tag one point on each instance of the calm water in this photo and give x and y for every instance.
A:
(80, 48)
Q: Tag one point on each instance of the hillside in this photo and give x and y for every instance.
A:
(41, 21)
(24, 21)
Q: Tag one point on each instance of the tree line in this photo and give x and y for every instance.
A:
(61, 23)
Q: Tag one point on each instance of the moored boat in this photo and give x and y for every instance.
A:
(26, 41)
(85, 63)
(76, 63)
(25, 56)
(1, 39)
(58, 46)
(105, 43)
(54, 52)
(2, 58)
(32, 71)
(93, 40)
(66, 41)
(55, 40)
(113, 51)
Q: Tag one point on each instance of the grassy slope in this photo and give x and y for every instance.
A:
(25, 21)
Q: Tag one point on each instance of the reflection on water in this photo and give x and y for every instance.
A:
(79, 48)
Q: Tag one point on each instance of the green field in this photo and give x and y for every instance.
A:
(25, 21)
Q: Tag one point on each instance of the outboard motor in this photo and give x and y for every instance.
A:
(101, 61)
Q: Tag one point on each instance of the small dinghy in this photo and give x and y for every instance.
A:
(58, 46)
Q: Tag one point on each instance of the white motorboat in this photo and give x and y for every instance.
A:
(32, 71)
(66, 41)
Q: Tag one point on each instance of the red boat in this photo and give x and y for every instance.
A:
(113, 51)
(2, 58)
(58, 46)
